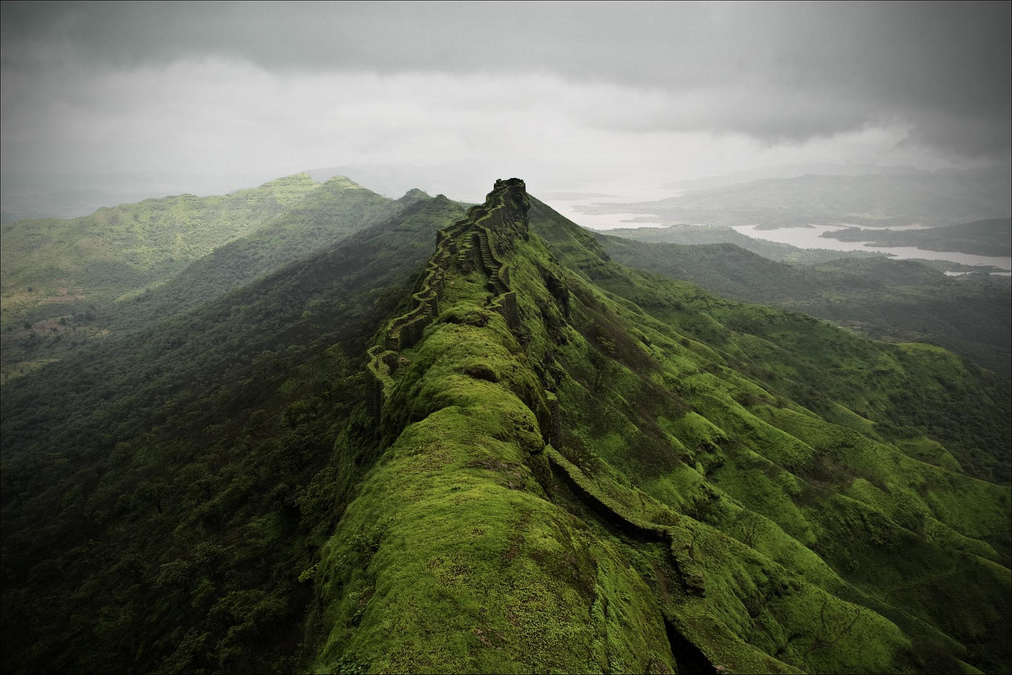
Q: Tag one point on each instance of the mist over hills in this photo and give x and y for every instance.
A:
(992, 237)
(66, 194)
(378, 435)
(789, 171)
(65, 283)
(116, 250)
(693, 235)
(942, 197)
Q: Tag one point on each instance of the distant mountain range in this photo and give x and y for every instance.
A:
(991, 237)
(901, 197)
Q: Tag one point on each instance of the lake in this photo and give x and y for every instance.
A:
(809, 237)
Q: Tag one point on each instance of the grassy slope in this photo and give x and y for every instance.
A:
(320, 218)
(120, 249)
(770, 536)
(895, 299)
(781, 472)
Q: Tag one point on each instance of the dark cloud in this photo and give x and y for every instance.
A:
(779, 73)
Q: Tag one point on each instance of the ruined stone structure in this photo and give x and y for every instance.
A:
(473, 243)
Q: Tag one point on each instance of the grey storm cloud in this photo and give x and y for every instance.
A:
(778, 73)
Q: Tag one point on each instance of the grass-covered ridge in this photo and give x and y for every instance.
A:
(762, 526)
(473, 442)
(470, 567)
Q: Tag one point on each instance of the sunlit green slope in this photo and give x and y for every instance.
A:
(334, 211)
(116, 250)
(252, 233)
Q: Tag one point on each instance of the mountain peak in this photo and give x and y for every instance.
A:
(414, 195)
(344, 182)
(505, 209)
(473, 244)
(293, 178)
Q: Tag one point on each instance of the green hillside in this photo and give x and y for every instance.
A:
(899, 300)
(527, 458)
(329, 214)
(115, 250)
(303, 217)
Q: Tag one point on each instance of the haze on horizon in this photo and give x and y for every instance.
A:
(615, 98)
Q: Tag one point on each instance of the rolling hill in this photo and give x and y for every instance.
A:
(898, 300)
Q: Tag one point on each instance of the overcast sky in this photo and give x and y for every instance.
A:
(610, 97)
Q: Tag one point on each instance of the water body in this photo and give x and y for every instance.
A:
(580, 208)
(584, 208)
(963, 274)
(809, 237)
(576, 212)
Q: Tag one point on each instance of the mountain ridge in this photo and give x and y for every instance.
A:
(528, 458)
(441, 440)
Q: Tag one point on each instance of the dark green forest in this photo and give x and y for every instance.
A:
(412, 436)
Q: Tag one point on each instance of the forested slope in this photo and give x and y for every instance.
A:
(163, 492)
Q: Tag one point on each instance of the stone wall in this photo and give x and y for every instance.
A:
(471, 243)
